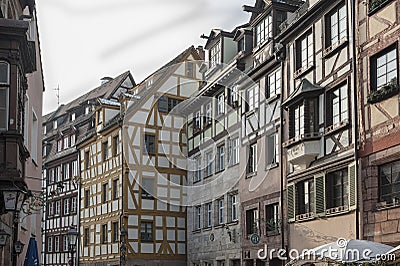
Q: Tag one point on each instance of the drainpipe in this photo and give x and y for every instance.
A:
(283, 178)
(355, 116)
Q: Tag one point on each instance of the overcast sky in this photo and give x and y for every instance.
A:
(85, 40)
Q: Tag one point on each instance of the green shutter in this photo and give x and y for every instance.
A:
(352, 186)
(320, 201)
(291, 203)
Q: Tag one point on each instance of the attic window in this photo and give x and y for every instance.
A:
(215, 54)
(264, 30)
(73, 117)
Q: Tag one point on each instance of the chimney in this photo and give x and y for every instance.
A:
(201, 52)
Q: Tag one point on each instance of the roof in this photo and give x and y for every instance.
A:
(305, 87)
(105, 90)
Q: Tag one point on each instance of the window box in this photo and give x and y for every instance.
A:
(385, 92)
(375, 5)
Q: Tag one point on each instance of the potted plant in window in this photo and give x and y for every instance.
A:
(386, 91)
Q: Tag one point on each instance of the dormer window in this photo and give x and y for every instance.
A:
(55, 125)
(73, 116)
(215, 54)
(264, 30)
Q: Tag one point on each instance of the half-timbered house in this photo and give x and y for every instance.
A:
(63, 129)
(319, 124)
(378, 30)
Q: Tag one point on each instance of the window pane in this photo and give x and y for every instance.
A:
(4, 73)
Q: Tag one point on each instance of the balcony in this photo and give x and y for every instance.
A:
(305, 151)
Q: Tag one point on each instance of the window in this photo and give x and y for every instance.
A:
(65, 243)
(115, 232)
(73, 204)
(115, 189)
(272, 217)
(75, 168)
(50, 210)
(57, 243)
(87, 198)
(250, 100)
(105, 150)
(251, 222)
(172, 103)
(209, 214)
(220, 211)
(215, 54)
(264, 30)
(197, 217)
(72, 140)
(147, 188)
(87, 110)
(87, 160)
(66, 142)
(384, 68)
(305, 197)
(272, 149)
(221, 104)
(221, 158)
(305, 51)
(115, 145)
(197, 120)
(233, 200)
(58, 207)
(50, 244)
(55, 125)
(105, 192)
(209, 164)
(208, 113)
(338, 106)
(73, 117)
(389, 182)
(100, 116)
(234, 151)
(150, 144)
(34, 136)
(274, 83)
(337, 26)
(190, 69)
(66, 174)
(86, 237)
(51, 176)
(66, 206)
(4, 97)
(58, 174)
(59, 145)
(197, 170)
(337, 189)
(252, 160)
(298, 121)
(104, 234)
(234, 97)
(146, 231)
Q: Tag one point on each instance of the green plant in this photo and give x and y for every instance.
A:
(384, 92)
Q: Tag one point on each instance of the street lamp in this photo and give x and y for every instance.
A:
(14, 198)
(72, 235)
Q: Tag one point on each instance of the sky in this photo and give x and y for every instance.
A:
(85, 40)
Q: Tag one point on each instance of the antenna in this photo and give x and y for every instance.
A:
(58, 94)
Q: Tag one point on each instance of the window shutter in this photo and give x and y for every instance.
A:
(320, 200)
(291, 203)
(163, 104)
(352, 186)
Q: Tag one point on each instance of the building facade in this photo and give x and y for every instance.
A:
(319, 132)
(213, 114)
(63, 129)
(101, 175)
(378, 28)
(20, 118)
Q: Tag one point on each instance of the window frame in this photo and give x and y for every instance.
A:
(343, 103)
(220, 158)
(344, 187)
(6, 87)
(104, 192)
(276, 84)
(309, 196)
(209, 214)
(234, 151)
(342, 34)
(150, 139)
(374, 67)
(303, 64)
(234, 205)
(104, 233)
(263, 31)
(104, 151)
(115, 232)
(252, 159)
(150, 232)
(215, 54)
(274, 210)
(390, 184)
(221, 208)
(252, 222)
